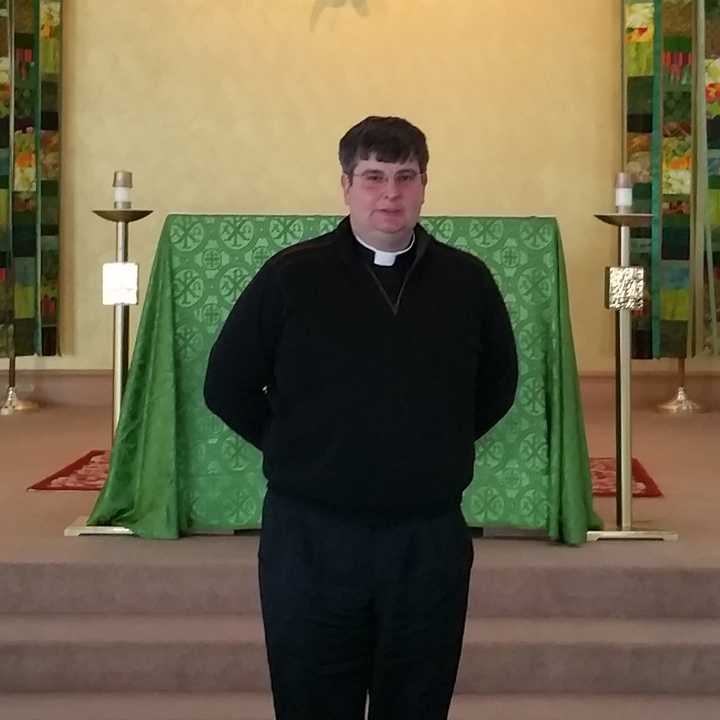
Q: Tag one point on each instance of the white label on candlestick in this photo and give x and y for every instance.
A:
(120, 283)
(623, 197)
(624, 288)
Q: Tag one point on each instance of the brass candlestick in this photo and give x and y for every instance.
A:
(624, 293)
(122, 215)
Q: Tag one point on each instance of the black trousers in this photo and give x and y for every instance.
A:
(354, 612)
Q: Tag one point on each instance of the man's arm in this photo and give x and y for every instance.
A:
(498, 367)
(241, 361)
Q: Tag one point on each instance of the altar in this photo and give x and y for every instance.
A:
(177, 469)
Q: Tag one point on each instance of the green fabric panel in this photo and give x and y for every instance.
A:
(176, 468)
(642, 191)
(676, 247)
(642, 206)
(50, 188)
(145, 486)
(714, 143)
(50, 271)
(676, 106)
(50, 94)
(50, 154)
(571, 512)
(674, 336)
(713, 204)
(639, 59)
(50, 210)
(676, 221)
(674, 304)
(24, 242)
(24, 40)
(4, 201)
(639, 94)
(24, 336)
(676, 43)
(640, 245)
(4, 38)
(49, 48)
(25, 271)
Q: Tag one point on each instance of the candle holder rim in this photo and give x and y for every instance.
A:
(122, 214)
(628, 219)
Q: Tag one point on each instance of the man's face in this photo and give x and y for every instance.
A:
(384, 199)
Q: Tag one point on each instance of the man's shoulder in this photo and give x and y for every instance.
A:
(304, 251)
(457, 257)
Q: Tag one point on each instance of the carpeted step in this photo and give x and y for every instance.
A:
(229, 585)
(590, 656)
(572, 591)
(258, 706)
(584, 707)
(141, 706)
(226, 653)
(90, 587)
(81, 653)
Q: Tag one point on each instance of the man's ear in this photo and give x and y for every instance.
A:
(345, 184)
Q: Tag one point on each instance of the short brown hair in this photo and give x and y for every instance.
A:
(389, 139)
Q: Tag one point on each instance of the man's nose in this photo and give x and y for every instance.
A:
(392, 187)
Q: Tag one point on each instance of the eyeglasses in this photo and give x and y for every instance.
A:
(376, 179)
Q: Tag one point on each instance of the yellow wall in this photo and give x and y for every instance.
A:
(237, 105)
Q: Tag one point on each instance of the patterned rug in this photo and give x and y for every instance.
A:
(603, 479)
(86, 473)
(90, 472)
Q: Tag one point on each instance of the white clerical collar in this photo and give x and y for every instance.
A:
(384, 257)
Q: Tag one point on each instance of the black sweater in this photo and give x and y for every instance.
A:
(361, 401)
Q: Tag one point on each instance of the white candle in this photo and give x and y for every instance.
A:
(121, 194)
(122, 182)
(623, 192)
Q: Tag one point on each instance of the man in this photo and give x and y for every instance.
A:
(364, 364)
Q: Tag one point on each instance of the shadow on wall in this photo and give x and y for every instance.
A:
(361, 7)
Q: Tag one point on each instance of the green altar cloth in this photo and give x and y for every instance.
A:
(176, 468)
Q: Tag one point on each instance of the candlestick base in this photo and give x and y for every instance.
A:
(13, 403)
(80, 527)
(631, 534)
(681, 404)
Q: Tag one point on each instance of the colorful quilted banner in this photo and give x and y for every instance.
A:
(666, 150)
(30, 52)
(707, 264)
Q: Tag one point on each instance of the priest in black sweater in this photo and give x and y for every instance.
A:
(364, 364)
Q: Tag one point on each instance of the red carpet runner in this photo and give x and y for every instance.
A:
(90, 472)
